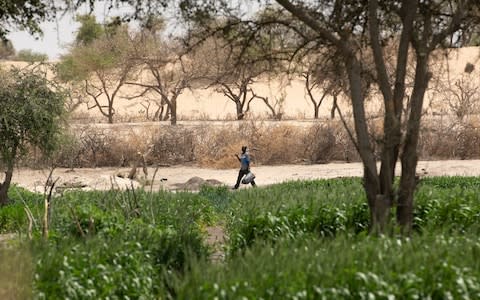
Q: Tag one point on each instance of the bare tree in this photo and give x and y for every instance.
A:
(166, 71)
(463, 96)
(232, 80)
(276, 106)
(238, 59)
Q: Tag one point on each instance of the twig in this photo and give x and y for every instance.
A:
(47, 202)
(134, 209)
(151, 194)
(30, 222)
(77, 223)
(153, 178)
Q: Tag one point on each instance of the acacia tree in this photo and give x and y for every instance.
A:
(422, 26)
(166, 71)
(226, 74)
(30, 116)
(236, 85)
(238, 57)
(321, 80)
(101, 66)
(276, 106)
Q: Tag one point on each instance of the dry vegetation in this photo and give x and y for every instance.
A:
(272, 143)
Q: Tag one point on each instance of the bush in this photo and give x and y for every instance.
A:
(131, 244)
(30, 56)
(13, 217)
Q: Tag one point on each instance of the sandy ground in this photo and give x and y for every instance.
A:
(105, 178)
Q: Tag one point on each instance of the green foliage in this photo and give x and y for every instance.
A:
(95, 269)
(131, 264)
(433, 266)
(31, 56)
(323, 207)
(451, 203)
(129, 245)
(219, 197)
(26, 14)
(295, 240)
(16, 271)
(329, 207)
(30, 113)
(12, 216)
(94, 51)
(89, 30)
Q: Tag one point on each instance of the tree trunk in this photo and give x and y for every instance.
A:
(110, 114)
(167, 113)
(6, 185)
(240, 114)
(334, 107)
(409, 156)
(173, 111)
(370, 174)
(315, 111)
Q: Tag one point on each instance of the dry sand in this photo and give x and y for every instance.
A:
(105, 178)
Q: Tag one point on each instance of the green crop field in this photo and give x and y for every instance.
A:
(296, 240)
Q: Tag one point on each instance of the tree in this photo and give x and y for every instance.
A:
(6, 49)
(102, 66)
(25, 14)
(167, 73)
(276, 106)
(236, 84)
(30, 116)
(233, 70)
(463, 96)
(322, 78)
(422, 26)
(89, 30)
(354, 31)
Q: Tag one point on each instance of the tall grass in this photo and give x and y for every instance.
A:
(431, 266)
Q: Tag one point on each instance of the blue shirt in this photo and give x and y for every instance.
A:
(244, 161)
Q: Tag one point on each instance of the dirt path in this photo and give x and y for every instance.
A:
(105, 178)
(216, 239)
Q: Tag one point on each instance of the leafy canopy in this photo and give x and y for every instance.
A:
(30, 113)
(25, 14)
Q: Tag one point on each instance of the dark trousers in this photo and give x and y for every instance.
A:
(242, 173)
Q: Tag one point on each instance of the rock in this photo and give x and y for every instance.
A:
(195, 183)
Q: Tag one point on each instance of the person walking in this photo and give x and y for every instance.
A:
(244, 160)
